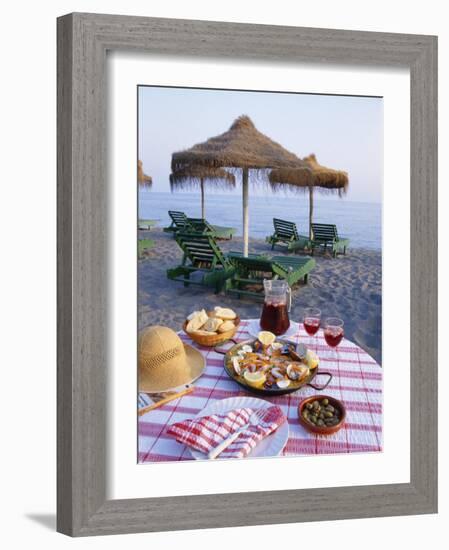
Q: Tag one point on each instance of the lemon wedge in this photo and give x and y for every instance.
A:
(312, 359)
(266, 337)
(255, 379)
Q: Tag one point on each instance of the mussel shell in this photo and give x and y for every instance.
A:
(287, 349)
(297, 352)
(301, 350)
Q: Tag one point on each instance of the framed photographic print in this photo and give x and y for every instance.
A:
(225, 273)
(246, 274)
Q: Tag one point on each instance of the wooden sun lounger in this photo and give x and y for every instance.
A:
(252, 270)
(286, 232)
(203, 259)
(180, 222)
(325, 235)
(217, 231)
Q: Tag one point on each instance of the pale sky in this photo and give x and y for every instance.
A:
(345, 133)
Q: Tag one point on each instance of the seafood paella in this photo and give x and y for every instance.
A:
(268, 363)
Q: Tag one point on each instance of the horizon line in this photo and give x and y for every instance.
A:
(316, 197)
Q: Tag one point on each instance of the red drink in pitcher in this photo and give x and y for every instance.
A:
(276, 306)
(275, 318)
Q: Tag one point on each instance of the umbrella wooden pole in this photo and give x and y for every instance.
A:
(310, 211)
(245, 211)
(203, 208)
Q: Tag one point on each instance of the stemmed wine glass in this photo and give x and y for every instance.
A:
(312, 322)
(333, 332)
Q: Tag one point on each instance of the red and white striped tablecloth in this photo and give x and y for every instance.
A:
(357, 381)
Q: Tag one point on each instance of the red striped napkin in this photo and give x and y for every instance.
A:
(205, 433)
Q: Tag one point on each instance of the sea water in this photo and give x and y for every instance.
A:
(361, 222)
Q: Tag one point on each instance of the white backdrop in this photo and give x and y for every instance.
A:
(27, 299)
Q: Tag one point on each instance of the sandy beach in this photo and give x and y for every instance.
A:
(348, 287)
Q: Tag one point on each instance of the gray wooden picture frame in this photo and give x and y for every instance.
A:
(83, 41)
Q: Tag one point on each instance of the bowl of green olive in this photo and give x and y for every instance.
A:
(321, 414)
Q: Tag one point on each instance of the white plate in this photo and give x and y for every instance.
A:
(253, 328)
(269, 446)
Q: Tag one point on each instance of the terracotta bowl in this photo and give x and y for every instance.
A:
(323, 430)
(215, 338)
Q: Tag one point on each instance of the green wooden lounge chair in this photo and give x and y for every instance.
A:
(203, 259)
(286, 232)
(251, 271)
(199, 225)
(325, 235)
(178, 222)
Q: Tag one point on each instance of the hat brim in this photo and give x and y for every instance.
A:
(197, 364)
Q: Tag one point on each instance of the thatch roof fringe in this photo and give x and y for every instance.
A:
(327, 177)
(190, 177)
(319, 177)
(142, 178)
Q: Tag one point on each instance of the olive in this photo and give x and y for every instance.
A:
(305, 414)
(313, 418)
(330, 408)
(321, 415)
(320, 422)
(328, 414)
(325, 402)
(309, 406)
(315, 404)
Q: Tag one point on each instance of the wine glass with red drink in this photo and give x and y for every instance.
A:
(333, 332)
(312, 321)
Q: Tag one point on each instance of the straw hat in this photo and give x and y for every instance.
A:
(165, 362)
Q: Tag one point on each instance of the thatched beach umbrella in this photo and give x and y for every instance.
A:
(193, 176)
(323, 178)
(142, 178)
(244, 147)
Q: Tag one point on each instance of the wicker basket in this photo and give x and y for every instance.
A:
(215, 337)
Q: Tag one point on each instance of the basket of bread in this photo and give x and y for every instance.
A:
(209, 328)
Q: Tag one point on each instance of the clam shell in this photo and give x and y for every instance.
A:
(277, 373)
(236, 365)
(277, 345)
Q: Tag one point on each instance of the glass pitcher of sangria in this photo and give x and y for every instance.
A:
(276, 306)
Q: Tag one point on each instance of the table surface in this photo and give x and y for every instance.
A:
(357, 381)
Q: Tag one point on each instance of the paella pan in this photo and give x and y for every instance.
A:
(276, 369)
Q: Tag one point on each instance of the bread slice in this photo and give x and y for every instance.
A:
(225, 326)
(197, 321)
(192, 315)
(212, 324)
(225, 313)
